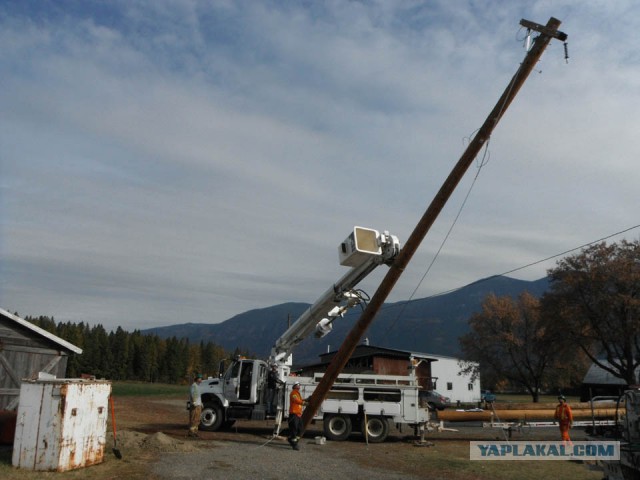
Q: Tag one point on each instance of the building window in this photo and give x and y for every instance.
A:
(449, 386)
(470, 387)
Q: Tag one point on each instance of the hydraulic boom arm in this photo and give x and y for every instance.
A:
(363, 250)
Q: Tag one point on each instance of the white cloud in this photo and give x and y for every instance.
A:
(174, 161)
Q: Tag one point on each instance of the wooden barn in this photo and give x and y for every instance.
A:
(25, 351)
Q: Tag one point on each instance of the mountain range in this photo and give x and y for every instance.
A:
(429, 325)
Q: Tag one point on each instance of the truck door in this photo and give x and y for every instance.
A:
(238, 382)
(246, 375)
(231, 382)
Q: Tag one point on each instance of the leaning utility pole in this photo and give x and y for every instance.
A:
(437, 204)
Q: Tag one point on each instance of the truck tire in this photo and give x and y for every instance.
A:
(376, 429)
(211, 417)
(337, 426)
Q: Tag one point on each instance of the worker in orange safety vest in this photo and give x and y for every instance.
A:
(564, 416)
(296, 402)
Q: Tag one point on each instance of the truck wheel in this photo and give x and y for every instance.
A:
(337, 427)
(211, 417)
(377, 429)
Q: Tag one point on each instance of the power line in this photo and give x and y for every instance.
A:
(539, 261)
(482, 163)
(404, 304)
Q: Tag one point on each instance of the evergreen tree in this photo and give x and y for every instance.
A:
(119, 347)
(121, 355)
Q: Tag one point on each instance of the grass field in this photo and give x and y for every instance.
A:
(128, 389)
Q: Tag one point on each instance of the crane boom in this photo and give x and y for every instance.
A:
(363, 250)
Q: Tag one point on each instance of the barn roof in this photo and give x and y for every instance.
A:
(39, 331)
(364, 350)
(597, 375)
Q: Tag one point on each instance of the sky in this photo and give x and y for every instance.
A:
(175, 161)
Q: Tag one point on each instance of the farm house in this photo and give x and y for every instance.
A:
(451, 383)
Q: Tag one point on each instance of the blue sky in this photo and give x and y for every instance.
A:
(178, 161)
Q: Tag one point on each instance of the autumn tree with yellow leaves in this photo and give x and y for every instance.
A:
(511, 341)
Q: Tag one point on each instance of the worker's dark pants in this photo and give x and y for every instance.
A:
(295, 427)
(271, 401)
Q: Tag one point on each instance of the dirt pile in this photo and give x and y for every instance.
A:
(129, 440)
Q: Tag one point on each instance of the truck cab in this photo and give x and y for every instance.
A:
(239, 393)
(243, 382)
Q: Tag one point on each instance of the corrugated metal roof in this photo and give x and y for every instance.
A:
(40, 331)
(597, 375)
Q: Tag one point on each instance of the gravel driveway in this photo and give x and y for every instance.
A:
(274, 460)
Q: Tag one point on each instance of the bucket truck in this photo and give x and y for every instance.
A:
(628, 433)
(366, 402)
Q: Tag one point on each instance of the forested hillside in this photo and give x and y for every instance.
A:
(121, 355)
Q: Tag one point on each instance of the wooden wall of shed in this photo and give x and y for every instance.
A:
(390, 366)
(12, 333)
(22, 355)
(425, 378)
(399, 366)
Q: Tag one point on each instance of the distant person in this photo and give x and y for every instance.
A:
(272, 387)
(296, 402)
(564, 416)
(195, 406)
